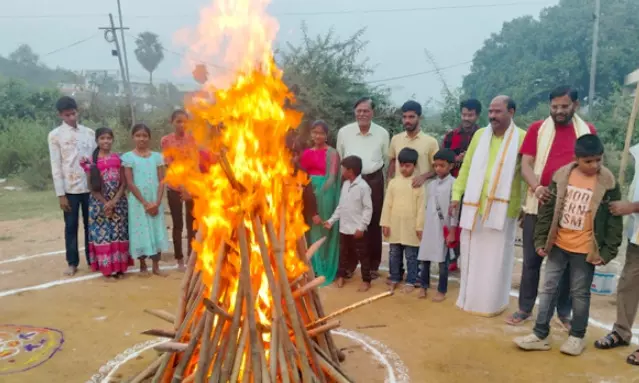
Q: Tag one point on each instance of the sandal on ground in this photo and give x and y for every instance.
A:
(610, 341)
(517, 318)
(633, 358)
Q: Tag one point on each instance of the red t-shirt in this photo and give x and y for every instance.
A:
(562, 151)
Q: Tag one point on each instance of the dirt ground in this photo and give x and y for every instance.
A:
(422, 341)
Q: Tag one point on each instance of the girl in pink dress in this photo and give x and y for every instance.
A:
(108, 223)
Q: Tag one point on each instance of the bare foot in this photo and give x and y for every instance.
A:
(393, 286)
(339, 282)
(180, 264)
(408, 289)
(364, 287)
(423, 293)
(159, 273)
(439, 297)
(71, 271)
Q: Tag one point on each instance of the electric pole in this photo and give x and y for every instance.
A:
(126, 56)
(110, 35)
(593, 58)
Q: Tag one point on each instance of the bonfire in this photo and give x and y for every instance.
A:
(248, 308)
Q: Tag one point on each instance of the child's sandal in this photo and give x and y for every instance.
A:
(610, 341)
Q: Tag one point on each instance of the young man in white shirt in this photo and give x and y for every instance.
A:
(69, 143)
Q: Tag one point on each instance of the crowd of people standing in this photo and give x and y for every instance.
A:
(465, 198)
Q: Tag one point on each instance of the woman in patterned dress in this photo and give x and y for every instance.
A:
(108, 228)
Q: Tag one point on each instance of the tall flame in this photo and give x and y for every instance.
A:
(244, 129)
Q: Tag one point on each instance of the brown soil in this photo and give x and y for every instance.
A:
(435, 341)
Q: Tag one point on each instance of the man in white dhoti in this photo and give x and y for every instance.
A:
(492, 186)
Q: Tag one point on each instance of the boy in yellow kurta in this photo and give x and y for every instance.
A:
(402, 220)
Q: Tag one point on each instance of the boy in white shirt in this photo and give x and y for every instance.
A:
(354, 214)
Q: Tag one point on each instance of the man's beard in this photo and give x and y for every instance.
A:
(410, 128)
(467, 124)
(563, 120)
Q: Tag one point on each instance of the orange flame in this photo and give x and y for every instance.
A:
(245, 126)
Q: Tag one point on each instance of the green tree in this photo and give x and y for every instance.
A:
(149, 52)
(327, 75)
(529, 57)
(24, 55)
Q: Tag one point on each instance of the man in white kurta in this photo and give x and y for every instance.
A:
(491, 184)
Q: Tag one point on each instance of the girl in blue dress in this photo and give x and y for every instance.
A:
(144, 172)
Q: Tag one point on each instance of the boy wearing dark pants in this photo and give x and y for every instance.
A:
(435, 245)
(575, 229)
(402, 221)
(354, 213)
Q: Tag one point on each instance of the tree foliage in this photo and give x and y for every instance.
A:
(328, 76)
(24, 55)
(531, 56)
(149, 52)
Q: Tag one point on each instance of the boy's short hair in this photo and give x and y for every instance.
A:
(353, 163)
(66, 103)
(412, 106)
(445, 155)
(588, 145)
(408, 156)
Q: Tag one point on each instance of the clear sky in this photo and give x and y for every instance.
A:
(396, 48)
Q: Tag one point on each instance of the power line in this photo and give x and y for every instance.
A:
(313, 13)
(418, 73)
(71, 45)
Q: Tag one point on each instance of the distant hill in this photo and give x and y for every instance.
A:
(35, 75)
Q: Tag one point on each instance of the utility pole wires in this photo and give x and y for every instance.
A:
(110, 35)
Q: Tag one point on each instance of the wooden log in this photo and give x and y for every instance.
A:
(147, 372)
(302, 339)
(160, 332)
(309, 286)
(323, 328)
(326, 340)
(216, 310)
(331, 368)
(188, 274)
(231, 337)
(313, 249)
(245, 276)
(276, 293)
(241, 352)
(171, 347)
(161, 314)
(186, 357)
(346, 309)
(290, 302)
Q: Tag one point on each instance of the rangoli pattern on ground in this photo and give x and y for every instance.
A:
(25, 347)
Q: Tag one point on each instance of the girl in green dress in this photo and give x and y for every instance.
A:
(144, 172)
(321, 162)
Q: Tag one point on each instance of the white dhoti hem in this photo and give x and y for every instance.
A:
(487, 257)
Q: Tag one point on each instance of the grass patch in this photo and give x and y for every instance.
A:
(26, 204)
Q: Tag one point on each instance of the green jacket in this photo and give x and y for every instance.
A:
(608, 229)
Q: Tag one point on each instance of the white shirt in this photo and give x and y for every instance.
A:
(67, 145)
(371, 147)
(355, 207)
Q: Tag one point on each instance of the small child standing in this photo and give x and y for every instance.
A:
(354, 213)
(576, 230)
(402, 221)
(144, 171)
(435, 246)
